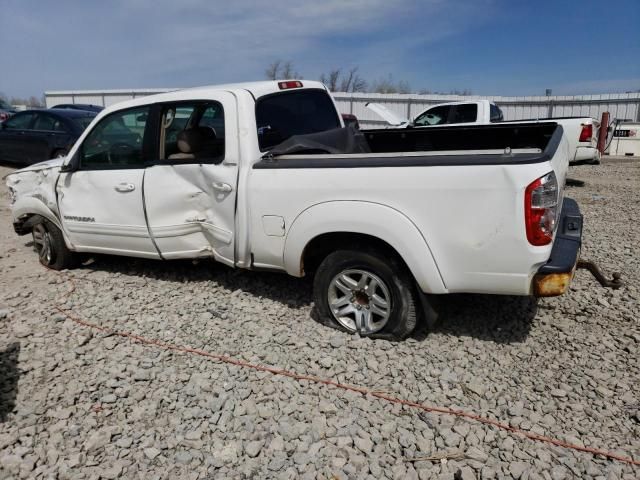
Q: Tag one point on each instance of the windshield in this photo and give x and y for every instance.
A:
(83, 122)
(4, 105)
(300, 112)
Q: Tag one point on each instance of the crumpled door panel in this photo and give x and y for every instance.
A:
(191, 210)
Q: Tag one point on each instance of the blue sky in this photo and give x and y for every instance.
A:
(492, 47)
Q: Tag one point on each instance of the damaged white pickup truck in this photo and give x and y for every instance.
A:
(264, 176)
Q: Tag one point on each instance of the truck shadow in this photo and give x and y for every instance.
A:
(495, 318)
(9, 375)
(279, 287)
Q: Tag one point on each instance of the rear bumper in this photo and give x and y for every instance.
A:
(586, 155)
(554, 277)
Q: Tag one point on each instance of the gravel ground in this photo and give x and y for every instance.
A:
(76, 403)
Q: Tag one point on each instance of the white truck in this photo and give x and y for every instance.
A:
(264, 176)
(581, 132)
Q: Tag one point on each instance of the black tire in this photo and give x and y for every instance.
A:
(382, 267)
(48, 243)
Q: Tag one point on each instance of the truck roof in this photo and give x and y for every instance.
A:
(256, 89)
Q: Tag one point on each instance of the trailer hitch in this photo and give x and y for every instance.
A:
(614, 283)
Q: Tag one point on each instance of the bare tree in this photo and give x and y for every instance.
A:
(31, 102)
(288, 71)
(272, 70)
(389, 85)
(279, 70)
(337, 81)
(331, 79)
(464, 92)
(352, 82)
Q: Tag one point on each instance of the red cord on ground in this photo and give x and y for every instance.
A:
(333, 383)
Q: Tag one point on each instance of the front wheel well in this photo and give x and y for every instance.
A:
(322, 245)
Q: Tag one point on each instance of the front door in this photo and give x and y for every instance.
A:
(190, 192)
(102, 202)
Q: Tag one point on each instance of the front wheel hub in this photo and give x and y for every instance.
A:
(42, 243)
(360, 301)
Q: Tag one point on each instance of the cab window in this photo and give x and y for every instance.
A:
(465, 113)
(116, 141)
(192, 132)
(434, 116)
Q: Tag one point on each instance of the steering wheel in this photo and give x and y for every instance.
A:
(119, 149)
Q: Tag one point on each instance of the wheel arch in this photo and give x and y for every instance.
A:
(27, 207)
(322, 228)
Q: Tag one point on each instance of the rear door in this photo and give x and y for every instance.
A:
(190, 191)
(102, 202)
(49, 136)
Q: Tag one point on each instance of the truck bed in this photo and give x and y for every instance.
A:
(468, 145)
(475, 137)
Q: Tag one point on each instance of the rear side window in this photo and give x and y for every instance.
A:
(282, 115)
(48, 123)
(116, 141)
(465, 113)
(496, 114)
(434, 116)
(192, 132)
(20, 121)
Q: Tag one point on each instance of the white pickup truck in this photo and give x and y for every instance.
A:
(581, 132)
(264, 176)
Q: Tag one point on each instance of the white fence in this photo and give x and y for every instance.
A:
(619, 105)
(622, 106)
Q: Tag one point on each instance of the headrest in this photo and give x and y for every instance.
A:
(193, 139)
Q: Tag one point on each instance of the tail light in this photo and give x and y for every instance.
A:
(541, 209)
(289, 84)
(3, 116)
(586, 133)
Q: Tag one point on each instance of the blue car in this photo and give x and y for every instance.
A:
(33, 136)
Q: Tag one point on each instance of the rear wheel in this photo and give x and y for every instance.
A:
(48, 243)
(366, 291)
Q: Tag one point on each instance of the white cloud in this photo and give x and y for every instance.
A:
(148, 43)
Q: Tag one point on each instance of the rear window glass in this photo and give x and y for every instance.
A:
(282, 115)
(496, 114)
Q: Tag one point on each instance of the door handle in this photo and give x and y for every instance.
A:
(222, 187)
(125, 187)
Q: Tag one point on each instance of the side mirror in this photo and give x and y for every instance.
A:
(72, 165)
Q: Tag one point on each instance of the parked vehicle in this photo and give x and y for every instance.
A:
(581, 132)
(380, 218)
(79, 106)
(6, 110)
(350, 120)
(35, 135)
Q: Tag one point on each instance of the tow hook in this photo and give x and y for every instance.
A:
(614, 283)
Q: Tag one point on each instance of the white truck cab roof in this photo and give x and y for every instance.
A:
(256, 89)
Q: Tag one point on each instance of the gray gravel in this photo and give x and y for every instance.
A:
(76, 403)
